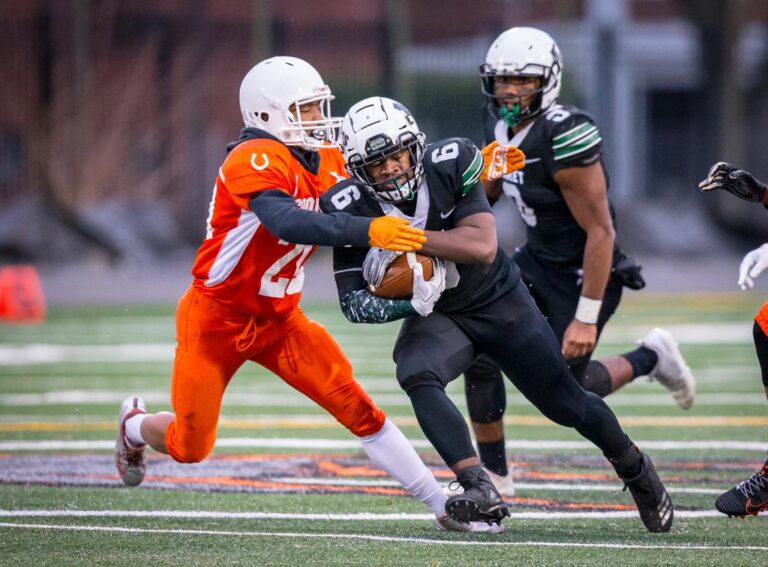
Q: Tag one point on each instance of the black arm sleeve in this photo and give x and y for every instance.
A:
(279, 214)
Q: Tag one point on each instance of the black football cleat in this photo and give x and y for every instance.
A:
(650, 496)
(480, 501)
(749, 497)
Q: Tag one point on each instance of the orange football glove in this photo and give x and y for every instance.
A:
(393, 233)
(500, 160)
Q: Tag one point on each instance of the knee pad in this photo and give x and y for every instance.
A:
(484, 388)
(596, 379)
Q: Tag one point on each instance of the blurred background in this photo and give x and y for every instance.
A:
(114, 117)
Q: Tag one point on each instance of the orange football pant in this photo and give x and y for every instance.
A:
(215, 340)
(762, 318)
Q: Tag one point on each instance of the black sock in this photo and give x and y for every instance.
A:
(493, 456)
(643, 360)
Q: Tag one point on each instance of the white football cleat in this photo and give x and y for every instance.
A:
(671, 371)
(447, 524)
(504, 484)
(129, 460)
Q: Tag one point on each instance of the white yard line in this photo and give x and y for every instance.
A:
(349, 444)
(361, 516)
(390, 398)
(389, 539)
(47, 353)
(518, 485)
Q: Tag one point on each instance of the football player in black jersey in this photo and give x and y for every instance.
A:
(473, 304)
(571, 263)
(749, 496)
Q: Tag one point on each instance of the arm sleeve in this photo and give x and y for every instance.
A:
(279, 214)
(357, 303)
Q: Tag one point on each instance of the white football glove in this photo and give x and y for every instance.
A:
(426, 292)
(752, 266)
(376, 263)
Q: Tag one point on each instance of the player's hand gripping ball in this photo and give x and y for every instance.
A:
(397, 281)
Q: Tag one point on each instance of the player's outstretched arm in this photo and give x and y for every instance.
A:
(279, 214)
(727, 177)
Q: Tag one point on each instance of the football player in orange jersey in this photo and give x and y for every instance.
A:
(263, 224)
(750, 496)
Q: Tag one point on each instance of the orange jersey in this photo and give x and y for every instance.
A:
(240, 263)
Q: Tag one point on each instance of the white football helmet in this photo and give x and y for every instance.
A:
(523, 52)
(376, 128)
(272, 87)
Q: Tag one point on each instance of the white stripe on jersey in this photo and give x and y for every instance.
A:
(235, 243)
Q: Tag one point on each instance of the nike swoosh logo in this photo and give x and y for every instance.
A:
(532, 160)
(446, 215)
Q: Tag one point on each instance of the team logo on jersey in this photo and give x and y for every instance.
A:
(262, 166)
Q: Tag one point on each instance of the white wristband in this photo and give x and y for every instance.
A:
(587, 310)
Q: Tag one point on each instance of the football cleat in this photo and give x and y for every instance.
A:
(504, 484)
(447, 524)
(129, 460)
(749, 497)
(480, 501)
(671, 371)
(650, 496)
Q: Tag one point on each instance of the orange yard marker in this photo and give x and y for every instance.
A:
(21, 295)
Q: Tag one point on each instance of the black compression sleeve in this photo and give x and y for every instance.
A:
(279, 214)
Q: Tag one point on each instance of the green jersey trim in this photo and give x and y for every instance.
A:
(571, 135)
(472, 173)
(578, 146)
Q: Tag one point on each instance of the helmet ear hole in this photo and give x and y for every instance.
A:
(264, 117)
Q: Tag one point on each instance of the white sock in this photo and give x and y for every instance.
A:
(133, 430)
(391, 451)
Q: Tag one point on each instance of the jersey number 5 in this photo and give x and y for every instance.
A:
(273, 286)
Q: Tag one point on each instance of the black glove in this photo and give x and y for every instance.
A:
(729, 178)
(627, 272)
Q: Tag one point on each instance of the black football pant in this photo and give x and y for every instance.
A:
(431, 351)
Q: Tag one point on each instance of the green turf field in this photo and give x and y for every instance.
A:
(287, 485)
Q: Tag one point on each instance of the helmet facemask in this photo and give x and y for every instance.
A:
(517, 112)
(402, 186)
(309, 134)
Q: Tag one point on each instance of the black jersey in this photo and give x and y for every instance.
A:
(450, 193)
(561, 137)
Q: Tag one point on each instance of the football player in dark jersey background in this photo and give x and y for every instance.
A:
(751, 495)
(570, 261)
(473, 304)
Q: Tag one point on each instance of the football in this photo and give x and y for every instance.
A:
(398, 279)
